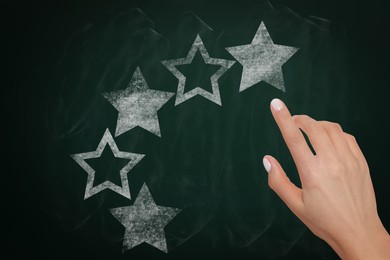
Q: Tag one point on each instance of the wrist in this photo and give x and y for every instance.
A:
(373, 244)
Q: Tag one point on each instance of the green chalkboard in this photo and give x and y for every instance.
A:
(200, 155)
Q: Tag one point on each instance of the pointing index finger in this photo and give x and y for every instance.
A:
(291, 133)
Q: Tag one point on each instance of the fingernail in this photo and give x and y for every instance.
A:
(277, 104)
(267, 164)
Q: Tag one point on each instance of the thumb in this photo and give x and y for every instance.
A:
(281, 184)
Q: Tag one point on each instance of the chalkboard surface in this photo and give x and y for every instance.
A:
(199, 156)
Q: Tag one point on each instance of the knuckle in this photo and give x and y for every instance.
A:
(303, 117)
(350, 137)
(303, 120)
(337, 127)
(296, 117)
(316, 126)
(333, 126)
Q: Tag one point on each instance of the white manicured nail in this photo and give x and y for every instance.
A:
(267, 164)
(277, 104)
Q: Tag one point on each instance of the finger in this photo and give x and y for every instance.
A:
(337, 136)
(293, 137)
(282, 186)
(357, 152)
(316, 133)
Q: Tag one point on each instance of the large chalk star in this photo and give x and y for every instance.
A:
(90, 190)
(215, 95)
(138, 105)
(262, 60)
(144, 221)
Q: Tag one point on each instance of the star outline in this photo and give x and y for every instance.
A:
(91, 190)
(198, 46)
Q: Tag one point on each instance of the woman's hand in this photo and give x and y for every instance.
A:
(337, 200)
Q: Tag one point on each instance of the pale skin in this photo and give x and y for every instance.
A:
(336, 200)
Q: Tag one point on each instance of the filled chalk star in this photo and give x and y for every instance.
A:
(262, 60)
(138, 105)
(144, 221)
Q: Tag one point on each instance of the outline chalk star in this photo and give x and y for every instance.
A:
(137, 105)
(144, 221)
(134, 158)
(198, 46)
(262, 60)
